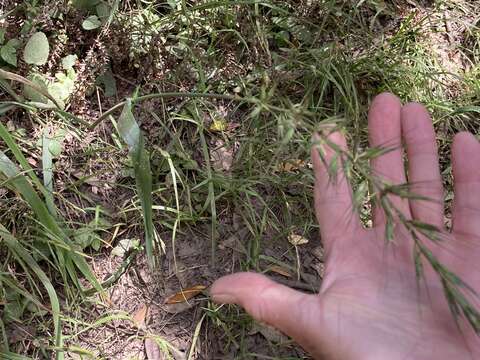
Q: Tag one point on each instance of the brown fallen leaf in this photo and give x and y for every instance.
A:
(269, 333)
(139, 316)
(222, 156)
(185, 294)
(296, 240)
(32, 161)
(280, 270)
(178, 307)
(161, 350)
(291, 165)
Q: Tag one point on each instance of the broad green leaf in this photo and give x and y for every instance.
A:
(84, 236)
(174, 4)
(128, 127)
(131, 134)
(2, 35)
(62, 88)
(68, 61)
(15, 43)
(96, 243)
(9, 54)
(88, 235)
(103, 10)
(32, 94)
(55, 148)
(109, 83)
(85, 4)
(37, 49)
(91, 23)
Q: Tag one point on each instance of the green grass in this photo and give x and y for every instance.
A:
(274, 71)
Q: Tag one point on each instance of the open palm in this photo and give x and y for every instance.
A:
(371, 305)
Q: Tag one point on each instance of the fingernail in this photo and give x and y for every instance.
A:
(223, 298)
(328, 128)
(318, 144)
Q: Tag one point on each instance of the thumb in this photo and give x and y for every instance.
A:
(292, 312)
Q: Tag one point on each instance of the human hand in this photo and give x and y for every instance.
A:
(371, 304)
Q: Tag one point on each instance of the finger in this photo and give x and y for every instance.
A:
(384, 128)
(333, 195)
(423, 168)
(466, 173)
(294, 313)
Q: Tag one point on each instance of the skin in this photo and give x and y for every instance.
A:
(370, 305)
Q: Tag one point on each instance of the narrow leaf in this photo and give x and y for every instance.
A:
(131, 134)
(47, 164)
(15, 247)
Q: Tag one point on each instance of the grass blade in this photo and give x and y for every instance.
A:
(5, 135)
(68, 259)
(47, 164)
(132, 135)
(25, 258)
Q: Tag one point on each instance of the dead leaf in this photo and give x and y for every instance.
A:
(296, 240)
(291, 165)
(139, 316)
(222, 156)
(20, 332)
(155, 351)
(269, 333)
(185, 294)
(88, 179)
(233, 242)
(280, 270)
(32, 161)
(178, 307)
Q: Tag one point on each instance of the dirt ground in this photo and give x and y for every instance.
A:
(142, 292)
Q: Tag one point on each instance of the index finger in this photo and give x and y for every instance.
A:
(333, 194)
